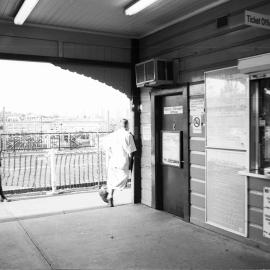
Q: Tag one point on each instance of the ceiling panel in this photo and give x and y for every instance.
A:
(105, 16)
(8, 8)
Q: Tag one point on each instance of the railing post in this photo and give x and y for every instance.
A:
(51, 159)
(98, 161)
(59, 142)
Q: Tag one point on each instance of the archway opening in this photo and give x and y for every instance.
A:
(52, 123)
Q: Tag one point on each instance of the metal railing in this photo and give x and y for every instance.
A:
(42, 141)
(78, 161)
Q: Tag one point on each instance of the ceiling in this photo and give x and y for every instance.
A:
(107, 16)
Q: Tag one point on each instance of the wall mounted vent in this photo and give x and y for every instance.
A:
(222, 21)
(154, 72)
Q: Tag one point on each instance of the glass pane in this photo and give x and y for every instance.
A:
(227, 107)
(264, 122)
(226, 190)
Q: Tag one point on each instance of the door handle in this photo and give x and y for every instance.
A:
(182, 150)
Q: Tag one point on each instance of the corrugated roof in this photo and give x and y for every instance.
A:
(104, 15)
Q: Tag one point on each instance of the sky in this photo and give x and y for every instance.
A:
(42, 88)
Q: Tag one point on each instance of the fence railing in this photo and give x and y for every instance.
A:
(28, 166)
(42, 141)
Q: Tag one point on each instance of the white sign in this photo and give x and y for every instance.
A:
(197, 124)
(173, 110)
(257, 19)
(171, 148)
(227, 109)
(266, 212)
(196, 106)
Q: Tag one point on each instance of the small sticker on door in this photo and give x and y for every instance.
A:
(173, 110)
(197, 124)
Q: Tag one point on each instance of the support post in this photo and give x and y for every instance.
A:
(136, 119)
(51, 160)
(98, 160)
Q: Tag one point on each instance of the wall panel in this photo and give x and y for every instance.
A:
(146, 147)
(197, 155)
(28, 46)
(255, 204)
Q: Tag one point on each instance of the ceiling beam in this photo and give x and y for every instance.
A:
(187, 16)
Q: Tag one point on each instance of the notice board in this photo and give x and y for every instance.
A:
(171, 148)
(227, 142)
(227, 108)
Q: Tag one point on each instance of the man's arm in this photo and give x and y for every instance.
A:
(131, 161)
(132, 150)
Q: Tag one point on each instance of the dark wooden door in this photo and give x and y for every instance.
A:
(173, 148)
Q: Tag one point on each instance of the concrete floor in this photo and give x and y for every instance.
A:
(28, 207)
(123, 237)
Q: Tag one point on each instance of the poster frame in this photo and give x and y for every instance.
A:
(247, 163)
(180, 147)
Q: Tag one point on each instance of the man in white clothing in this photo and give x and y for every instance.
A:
(120, 148)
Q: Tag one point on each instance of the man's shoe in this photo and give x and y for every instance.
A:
(103, 194)
(5, 200)
(110, 202)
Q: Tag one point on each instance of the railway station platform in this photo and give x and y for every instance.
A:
(51, 233)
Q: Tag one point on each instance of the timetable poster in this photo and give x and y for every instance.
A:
(171, 148)
(227, 108)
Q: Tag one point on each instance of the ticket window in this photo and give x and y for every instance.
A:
(260, 126)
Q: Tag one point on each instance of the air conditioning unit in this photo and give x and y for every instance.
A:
(154, 72)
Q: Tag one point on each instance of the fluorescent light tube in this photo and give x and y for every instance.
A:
(138, 6)
(25, 10)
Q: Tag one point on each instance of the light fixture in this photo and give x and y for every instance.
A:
(138, 6)
(25, 10)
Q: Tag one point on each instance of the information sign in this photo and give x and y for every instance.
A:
(227, 108)
(171, 148)
(257, 19)
(197, 124)
(173, 110)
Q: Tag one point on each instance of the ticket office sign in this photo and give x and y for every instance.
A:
(257, 19)
(266, 212)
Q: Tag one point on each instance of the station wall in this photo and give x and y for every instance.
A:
(200, 46)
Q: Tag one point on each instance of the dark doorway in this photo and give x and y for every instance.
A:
(171, 173)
